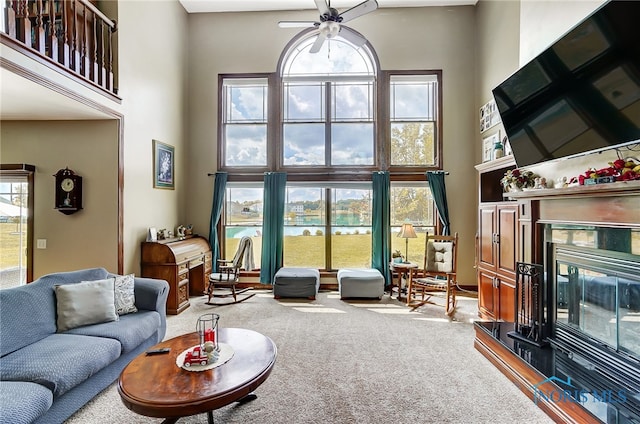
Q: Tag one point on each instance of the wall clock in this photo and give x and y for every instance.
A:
(68, 191)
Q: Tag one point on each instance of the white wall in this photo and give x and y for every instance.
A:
(412, 38)
(544, 22)
(152, 42)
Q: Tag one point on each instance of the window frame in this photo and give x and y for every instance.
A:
(328, 174)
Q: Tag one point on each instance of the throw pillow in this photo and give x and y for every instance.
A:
(85, 303)
(125, 296)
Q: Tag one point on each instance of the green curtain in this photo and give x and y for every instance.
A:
(381, 231)
(439, 193)
(272, 225)
(219, 190)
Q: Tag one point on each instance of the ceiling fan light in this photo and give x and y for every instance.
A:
(329, 29)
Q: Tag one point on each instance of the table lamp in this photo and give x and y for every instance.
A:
(407, 232)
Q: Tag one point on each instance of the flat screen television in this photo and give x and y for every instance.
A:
(582, 94)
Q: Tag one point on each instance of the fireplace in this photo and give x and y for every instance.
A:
(587, 240)
(596, 292)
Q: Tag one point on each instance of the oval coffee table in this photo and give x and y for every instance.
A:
(154, 386)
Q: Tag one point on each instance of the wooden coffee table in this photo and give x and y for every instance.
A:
(155, 386)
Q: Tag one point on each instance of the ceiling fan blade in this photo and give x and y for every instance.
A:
(352, 36)
(297, 24)
(317, 44)
(323, 8)
(359, 10)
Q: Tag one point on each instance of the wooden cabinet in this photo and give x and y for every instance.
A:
(498, 247)
(185, 264)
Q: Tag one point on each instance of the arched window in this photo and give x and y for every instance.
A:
(328, 104)
(329, 119)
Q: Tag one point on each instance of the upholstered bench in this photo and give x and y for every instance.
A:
(360, 283)
(296, 282)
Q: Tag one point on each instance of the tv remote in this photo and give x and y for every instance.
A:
(159, 351)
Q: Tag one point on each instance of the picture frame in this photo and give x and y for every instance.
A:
(152, 234)
(489, 115)
(488, 144)
(163, 165)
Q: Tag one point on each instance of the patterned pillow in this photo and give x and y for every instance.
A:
(125, 297)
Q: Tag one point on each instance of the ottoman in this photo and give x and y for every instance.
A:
(361, 283)
(296, 282)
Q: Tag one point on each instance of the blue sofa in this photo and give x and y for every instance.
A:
(45, 375)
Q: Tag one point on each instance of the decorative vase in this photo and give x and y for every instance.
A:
(514, 187)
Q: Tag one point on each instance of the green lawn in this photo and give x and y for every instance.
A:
(9, 245)
(349, 250)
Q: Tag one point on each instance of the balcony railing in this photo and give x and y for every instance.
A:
(72, 33)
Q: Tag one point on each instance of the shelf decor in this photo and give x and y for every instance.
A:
(516, 180)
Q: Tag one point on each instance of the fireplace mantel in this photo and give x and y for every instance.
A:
(620, 188)
(612, 205)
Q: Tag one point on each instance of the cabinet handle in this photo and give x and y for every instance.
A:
(496, 238)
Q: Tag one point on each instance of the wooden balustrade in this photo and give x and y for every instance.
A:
(73, 33)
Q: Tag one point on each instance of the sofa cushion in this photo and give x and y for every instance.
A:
(131, 330)
(36, 299)
(23, 402)
(125, 294)
(89, 302)
(60, 361)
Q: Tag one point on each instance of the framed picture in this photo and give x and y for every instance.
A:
(489, 116)
(487, 146)
(152, 234)
(163, 165)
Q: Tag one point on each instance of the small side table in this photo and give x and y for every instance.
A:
(403, 269)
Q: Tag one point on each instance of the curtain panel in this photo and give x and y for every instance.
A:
(272, 225)
(381, 231)
(219, 190)
(439, 193)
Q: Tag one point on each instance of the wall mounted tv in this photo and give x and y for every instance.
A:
(580, 95)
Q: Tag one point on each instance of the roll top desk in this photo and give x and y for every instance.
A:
(185, 264)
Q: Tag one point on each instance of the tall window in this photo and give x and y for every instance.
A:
(329, 128)
(412, 117)
(244, 123)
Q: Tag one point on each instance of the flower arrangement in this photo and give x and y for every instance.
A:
(618, 170)
(516, 179)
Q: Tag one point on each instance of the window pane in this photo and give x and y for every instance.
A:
(413, 101)
(413, 143)
(245, 145)
(415, 205)
(243, 217)
(352, 144)
(303, 144)
(353, 102)
(304, 102)
(304, 231)
(351, 228)
(246, 103)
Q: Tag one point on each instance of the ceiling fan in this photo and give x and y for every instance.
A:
(331, 22)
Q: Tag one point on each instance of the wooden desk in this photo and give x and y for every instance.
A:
(402, 268)
(185, 264)
(155, 386)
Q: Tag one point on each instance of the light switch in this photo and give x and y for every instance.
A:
(41, 244)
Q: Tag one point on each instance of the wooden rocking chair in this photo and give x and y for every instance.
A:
(438, 273)
(222, 284)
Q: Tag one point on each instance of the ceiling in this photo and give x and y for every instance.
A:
(203, 6)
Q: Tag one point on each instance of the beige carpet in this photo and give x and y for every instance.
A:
(354, 362)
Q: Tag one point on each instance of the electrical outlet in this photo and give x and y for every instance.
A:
(41, 244)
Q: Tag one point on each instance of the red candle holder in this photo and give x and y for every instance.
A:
(207, 329)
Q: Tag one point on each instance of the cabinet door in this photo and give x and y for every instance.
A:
(507, 301)
(487, 295)
(486, 233)
(507, 242)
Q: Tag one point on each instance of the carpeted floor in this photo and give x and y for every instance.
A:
(354, 362)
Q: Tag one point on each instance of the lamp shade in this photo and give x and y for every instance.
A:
(407, 231)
